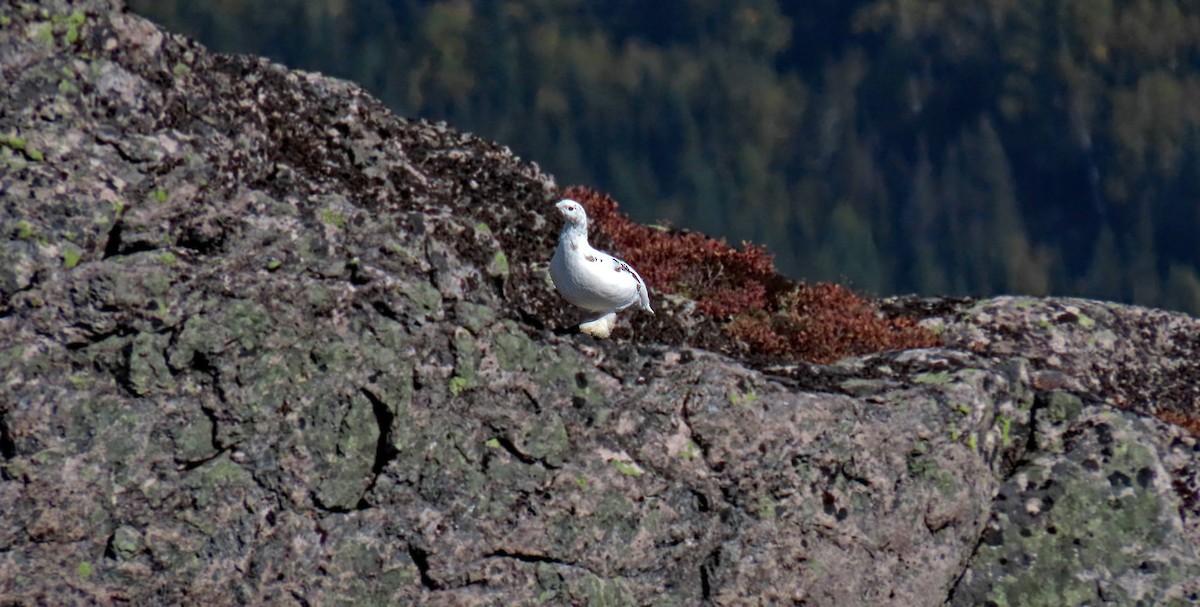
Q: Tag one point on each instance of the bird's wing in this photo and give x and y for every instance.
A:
(643, 292)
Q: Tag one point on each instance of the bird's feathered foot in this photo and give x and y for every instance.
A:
(600, 328)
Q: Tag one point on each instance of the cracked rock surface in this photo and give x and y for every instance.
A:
(262, 341)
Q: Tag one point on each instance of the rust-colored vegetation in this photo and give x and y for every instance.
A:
(1187, 422)
(741, 289)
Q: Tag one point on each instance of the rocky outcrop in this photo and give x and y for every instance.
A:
(264, 342)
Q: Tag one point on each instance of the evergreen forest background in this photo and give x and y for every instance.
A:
(931, 146)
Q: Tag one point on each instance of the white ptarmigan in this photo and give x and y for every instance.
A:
(591, 279)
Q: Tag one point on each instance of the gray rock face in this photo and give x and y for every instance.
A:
(263, 342)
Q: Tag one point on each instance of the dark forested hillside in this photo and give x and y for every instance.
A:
(925, 145)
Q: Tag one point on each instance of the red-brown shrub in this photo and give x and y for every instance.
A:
(1190, 423)
(762, 309)
(723, 281)
(825, 322)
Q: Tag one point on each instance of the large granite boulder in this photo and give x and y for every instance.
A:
(262, 341)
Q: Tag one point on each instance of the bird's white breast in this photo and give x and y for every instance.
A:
(591, 279)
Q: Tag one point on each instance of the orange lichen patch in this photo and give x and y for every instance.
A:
(760, 308)
(1187, 422)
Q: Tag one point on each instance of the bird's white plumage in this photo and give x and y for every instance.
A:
(592, 279)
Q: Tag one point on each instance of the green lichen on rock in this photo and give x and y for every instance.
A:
(193, 436)
(627, 468)
(515, 351)
(74, 22)
(345, 469)
(738, 398)
(690, 450)
(126, 542)
(14, 142)
(934, 378)
(458, 385)
(25, 230)
(1004, 424)
(474, 316)
(426, 296)
(1089, 523)
(211, 482)
(498, 265)
(333, 218)
(71, 255)
(549, 440)
(1062, 407)
(766, 508)
(601, 592)
(148, 370)
(466, 361)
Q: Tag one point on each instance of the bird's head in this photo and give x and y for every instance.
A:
(573, 211)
